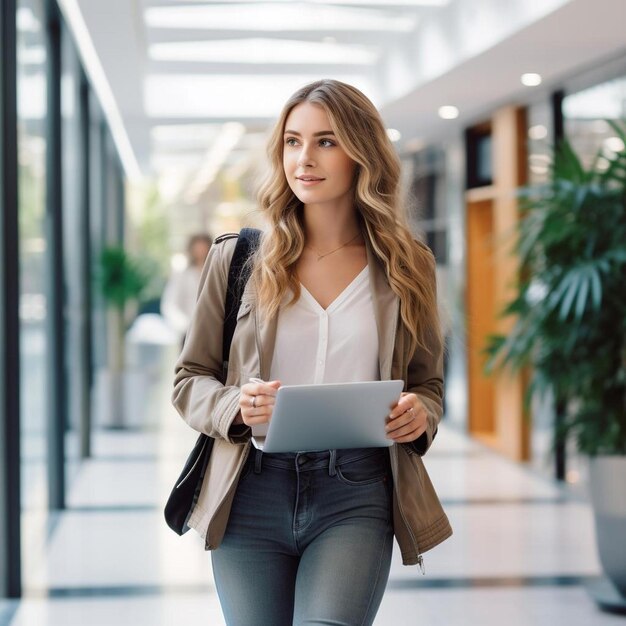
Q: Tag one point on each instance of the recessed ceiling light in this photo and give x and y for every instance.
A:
(531, 80)
(394, 134)
(448, 112)
(537, 132)
(613, 144)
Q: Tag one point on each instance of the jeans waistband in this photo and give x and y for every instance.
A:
(321, 459)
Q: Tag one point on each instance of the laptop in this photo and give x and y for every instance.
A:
(329, 416)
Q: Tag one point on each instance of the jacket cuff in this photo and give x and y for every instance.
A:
(239, 433)
(423, 442)
(225, 412)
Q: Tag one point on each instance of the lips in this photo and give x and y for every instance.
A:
(309, 179)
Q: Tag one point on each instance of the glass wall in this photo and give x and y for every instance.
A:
(586, 113)
(89, 176)
(539, 142)
(73, 262)
(31, 90)
(433, 186)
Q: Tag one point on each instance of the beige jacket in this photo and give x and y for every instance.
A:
(210, 407)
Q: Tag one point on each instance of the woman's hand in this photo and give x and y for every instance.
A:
(256, 403)
(408, 419)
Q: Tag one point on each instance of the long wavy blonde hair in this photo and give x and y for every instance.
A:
(361, 133)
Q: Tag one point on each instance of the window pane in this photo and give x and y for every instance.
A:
(31, 89)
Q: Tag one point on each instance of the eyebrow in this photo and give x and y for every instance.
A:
(319, 134)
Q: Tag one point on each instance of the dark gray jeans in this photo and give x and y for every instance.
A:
(308, 541)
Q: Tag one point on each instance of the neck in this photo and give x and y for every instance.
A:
(325, 228)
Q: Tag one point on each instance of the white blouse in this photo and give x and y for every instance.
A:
(334, 345)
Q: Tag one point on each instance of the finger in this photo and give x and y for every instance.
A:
(408, 432)
(400, 422)
(247, 401)
(267, 389)
(256, 416)
(254, 401)
(401, 408)
(255, 411)
(408, 438)
(406, 402)
(258, 389)
(419, 417)
(260, 401)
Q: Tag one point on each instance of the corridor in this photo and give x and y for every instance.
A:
(520, 550)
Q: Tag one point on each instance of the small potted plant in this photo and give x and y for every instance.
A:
(570, 328)
(121, 280)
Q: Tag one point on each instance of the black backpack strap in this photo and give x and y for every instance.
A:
(238, 274)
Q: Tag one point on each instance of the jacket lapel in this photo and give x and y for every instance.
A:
(386, 305)
(265, 338)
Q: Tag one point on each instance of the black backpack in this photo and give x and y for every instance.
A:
(186, 490)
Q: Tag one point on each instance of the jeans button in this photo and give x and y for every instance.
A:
(302, 460)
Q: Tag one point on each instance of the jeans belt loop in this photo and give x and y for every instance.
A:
(258, 456)
(332, 463)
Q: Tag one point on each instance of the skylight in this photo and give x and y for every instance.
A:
(381, 3)
(224, 96)
(293, 16)
(260, 51)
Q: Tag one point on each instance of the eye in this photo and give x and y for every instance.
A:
(291, 141)
(326, 143)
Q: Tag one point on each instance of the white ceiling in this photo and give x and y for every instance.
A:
(194, 84)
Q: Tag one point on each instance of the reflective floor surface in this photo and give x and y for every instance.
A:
(521, 549)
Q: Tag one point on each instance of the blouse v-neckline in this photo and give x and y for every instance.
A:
(341, 297)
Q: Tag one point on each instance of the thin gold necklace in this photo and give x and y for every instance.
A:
(321, 256)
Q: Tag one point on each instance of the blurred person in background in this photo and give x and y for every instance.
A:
(179, 296)
(340, 291)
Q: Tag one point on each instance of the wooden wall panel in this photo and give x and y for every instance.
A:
(480, 319)
(496, 403)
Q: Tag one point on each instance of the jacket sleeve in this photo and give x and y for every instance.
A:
(425, 379)
(200, 397)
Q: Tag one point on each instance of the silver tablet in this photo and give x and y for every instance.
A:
(330, 416)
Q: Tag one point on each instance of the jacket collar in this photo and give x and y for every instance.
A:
(386, 307)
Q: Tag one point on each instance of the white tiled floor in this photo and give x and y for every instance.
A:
(111, 561)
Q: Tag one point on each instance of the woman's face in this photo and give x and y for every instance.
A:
(317, 168)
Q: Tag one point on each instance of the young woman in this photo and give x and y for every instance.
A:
(340, 291)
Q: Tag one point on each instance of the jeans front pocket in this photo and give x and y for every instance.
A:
(366, 470)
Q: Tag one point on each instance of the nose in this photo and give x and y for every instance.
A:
(304, 158)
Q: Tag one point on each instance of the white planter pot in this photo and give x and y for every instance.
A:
(607, 479)
(119, 399)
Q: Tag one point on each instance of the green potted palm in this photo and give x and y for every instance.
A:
(121, 280)
(570, 328)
